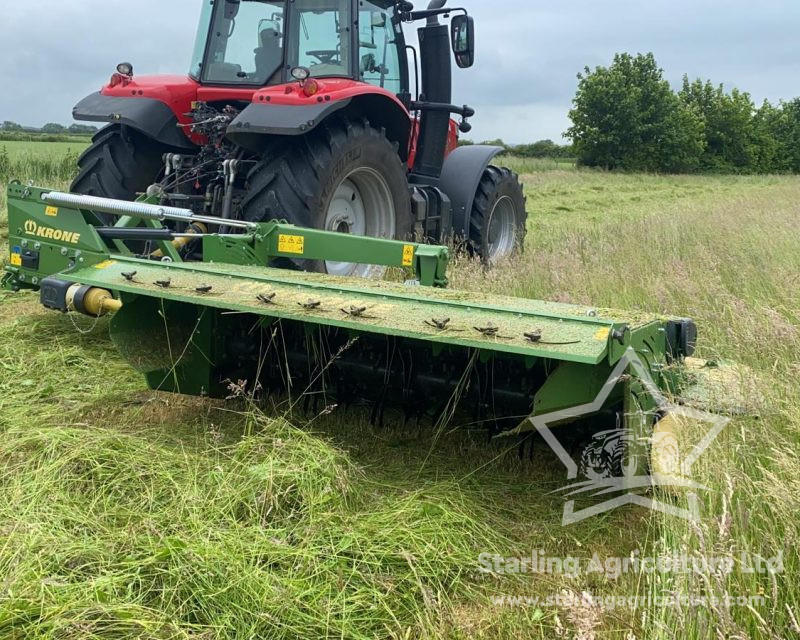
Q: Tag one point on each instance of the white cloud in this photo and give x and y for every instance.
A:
(519, 123)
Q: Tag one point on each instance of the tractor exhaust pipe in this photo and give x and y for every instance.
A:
(435, 4)
(437, 86)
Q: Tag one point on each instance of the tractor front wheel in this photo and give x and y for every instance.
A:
(497, 224)
(345, 176)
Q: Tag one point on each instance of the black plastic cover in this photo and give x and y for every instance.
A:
(53, 294)
(30, 260)
(432, 214)
(461, 175)
(148, 115)
(249, 127)
(681, 338)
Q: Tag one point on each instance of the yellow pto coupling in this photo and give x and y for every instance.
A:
(180, 242)
(91, 301)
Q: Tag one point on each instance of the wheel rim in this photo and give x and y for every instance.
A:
(502, 231)
(362, 205)
(629, 465)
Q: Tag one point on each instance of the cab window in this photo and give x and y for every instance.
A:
(245, 44)
(322, 33)
(378, 52)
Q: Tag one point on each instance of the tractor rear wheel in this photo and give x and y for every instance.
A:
(345, 176)
(497, 223)
(120, 164)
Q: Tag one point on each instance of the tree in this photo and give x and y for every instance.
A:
(728, 118)
(496, 143)
(11, 126)
(769, 154)
(626, 116)
(82, 129)
(52, 127)
(786, 130)
(543, 149)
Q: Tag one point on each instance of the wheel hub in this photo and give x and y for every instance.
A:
(362, 205)
(502, 232)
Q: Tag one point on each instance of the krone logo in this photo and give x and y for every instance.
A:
(48, 233)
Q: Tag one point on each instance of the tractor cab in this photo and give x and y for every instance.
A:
(302, 110)
(259, 42)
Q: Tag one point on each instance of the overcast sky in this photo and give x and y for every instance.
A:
(53, 52)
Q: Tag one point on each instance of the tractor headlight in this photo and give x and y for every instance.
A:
(301, 74)
(125, 68)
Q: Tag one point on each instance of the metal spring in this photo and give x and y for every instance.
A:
(134, 209)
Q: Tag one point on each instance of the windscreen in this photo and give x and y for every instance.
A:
(321, 36)
(379, 52)
(244, 44)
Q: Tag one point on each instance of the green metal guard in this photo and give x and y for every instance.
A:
(48, 239)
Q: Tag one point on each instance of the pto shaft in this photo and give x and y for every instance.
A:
(65, 296)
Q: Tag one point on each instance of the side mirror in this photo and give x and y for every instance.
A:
(463, 33)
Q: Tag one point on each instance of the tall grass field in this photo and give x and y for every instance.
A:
(126, 513)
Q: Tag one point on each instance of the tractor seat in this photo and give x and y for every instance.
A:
(269, 54)
(224, 72)
(322, 70)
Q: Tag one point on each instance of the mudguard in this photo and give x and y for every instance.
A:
(249, 127)
(461, 175)
(152, 117)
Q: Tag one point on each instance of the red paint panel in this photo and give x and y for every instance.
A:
(178, 93)
(452, 140)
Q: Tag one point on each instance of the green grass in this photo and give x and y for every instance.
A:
(536, 165)
(44, 150)
(48, 163)
(38, 161)
(30, 137)
(127, 513)
(45, 163)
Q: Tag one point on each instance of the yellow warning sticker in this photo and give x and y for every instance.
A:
(51, 211)
(292, 244)
(104, 265)
(602, 334)
(16, 260)
(408, 255)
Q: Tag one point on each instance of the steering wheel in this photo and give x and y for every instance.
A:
(325, 56)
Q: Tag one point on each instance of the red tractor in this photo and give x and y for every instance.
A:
(301, 110)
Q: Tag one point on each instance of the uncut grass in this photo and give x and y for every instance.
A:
(38, 161)
(45, 164)
(730, 260)
(535, 165)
